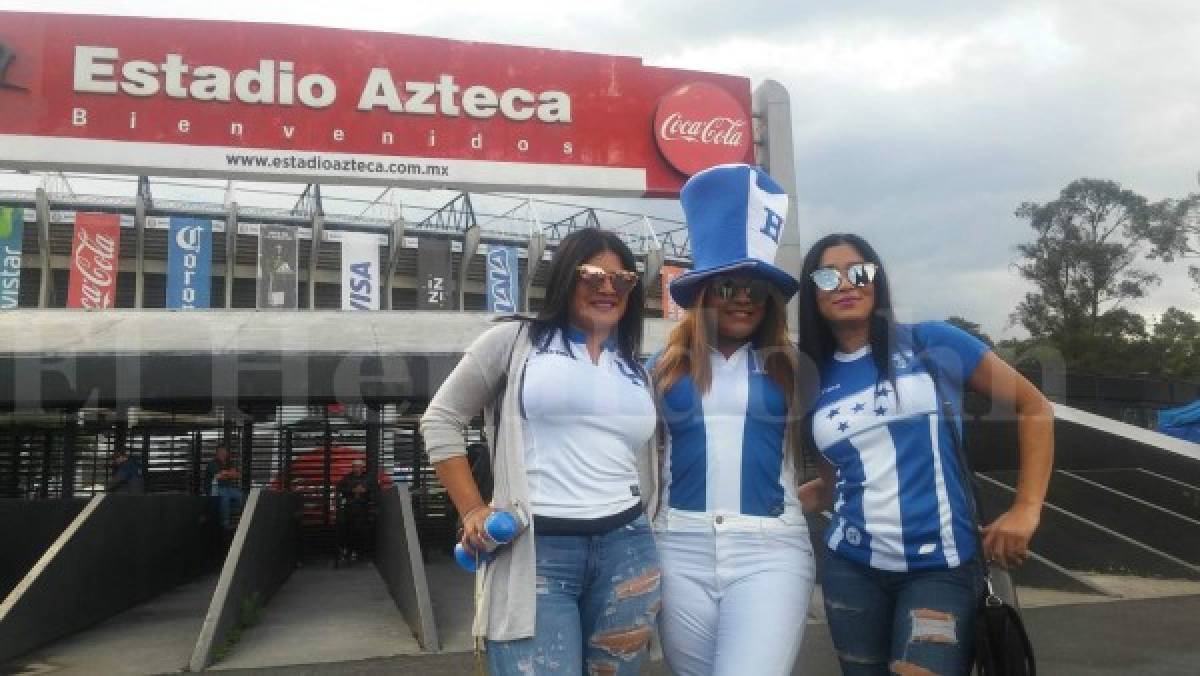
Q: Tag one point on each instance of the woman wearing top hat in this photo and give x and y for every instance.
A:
(737, 563)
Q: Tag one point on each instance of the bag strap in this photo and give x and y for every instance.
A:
(964, 468)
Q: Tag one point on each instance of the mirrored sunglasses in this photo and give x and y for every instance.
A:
(857, 275)
(594, 277)
(727, 288)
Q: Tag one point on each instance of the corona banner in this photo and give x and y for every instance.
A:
(307, 104)
(189, 263)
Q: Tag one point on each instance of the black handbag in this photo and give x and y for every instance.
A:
(1001, 645)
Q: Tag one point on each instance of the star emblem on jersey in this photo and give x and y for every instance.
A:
(843, 426)
(883, 391)
(880, 410)
(834, 412)
(859, 407)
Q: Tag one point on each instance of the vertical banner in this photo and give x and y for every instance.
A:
(12, 228)
(434, 282)
(95, 252)
(360, 271)
(189, 263)
(503, 291)
(278, 260)
(670, 309)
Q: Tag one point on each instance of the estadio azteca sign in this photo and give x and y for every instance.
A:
(300, 103)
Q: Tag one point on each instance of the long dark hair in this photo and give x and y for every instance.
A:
(816, 337)
(574, 250)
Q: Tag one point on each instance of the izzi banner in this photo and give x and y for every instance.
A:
(94, 256)
(360, 271)
(189, 263)
(503, 292)
(278, 260)
(12, 228)
(435, 285)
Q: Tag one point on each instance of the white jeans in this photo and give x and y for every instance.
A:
(735, 593)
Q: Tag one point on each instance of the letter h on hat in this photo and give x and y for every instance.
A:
(735, 216)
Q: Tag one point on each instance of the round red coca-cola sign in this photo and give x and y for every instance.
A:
(700, 125)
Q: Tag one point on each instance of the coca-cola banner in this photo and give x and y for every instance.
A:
(12, 229)
(95, 252)
(503, 291)
(360, 271)
(670, 309)
(308, 104)
(189, 263)
(278, 260)
(435, 284)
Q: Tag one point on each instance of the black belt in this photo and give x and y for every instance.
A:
(553, 525)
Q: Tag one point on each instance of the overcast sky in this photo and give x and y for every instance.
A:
(919, 124)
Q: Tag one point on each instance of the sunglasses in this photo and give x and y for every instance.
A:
(726, 288)
(830, 278)
(594, 277)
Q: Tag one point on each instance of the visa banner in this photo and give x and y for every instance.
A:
(503, 295)
(12, 228)
(360, 271)
(189, 263)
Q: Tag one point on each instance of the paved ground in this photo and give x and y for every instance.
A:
(157, 636)
(1153, 637)
(325, 615)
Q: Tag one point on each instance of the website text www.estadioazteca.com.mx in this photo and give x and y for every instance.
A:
(316, 162)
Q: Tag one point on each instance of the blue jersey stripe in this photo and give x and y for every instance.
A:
(918, 494)
(762, 446)
(850, 474)
(684, 414)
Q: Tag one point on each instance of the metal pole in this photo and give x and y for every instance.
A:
(46, 283)
(247, 453)
(231, 236)
(139, 270)
(374, 437)
(70, 432)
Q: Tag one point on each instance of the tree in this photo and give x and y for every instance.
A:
(1175, 345)
(1171, 228)
(1081, 259)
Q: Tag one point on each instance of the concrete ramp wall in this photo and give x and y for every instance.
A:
(27, 529)
(261, 558)
(398, 558)
(119, 551)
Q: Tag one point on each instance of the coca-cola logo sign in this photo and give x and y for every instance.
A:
(94, 257)
(700, 125)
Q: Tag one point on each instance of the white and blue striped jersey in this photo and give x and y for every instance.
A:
(724, 449)
(899, 501)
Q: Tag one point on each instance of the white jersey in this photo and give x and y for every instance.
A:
(584, 425)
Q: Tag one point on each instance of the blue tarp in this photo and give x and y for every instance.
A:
(1182, 422)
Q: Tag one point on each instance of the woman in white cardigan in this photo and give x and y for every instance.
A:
(572, 421)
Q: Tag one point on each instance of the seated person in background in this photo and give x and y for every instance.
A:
(127, 474)
(222, 480)
(356, 493)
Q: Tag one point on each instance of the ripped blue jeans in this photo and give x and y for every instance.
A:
(598, 597)
(884, 622)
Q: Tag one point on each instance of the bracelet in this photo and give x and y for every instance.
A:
(472, 511)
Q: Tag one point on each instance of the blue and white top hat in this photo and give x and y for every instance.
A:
(735, 215)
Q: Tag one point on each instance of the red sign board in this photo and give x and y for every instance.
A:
(298, 103)
(94, 256)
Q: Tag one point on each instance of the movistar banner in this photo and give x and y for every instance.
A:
(503, 293)
(189, 263)
(11, 230)
(360, 271)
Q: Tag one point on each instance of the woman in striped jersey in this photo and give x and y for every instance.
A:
(902, 577)
(736, 558)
